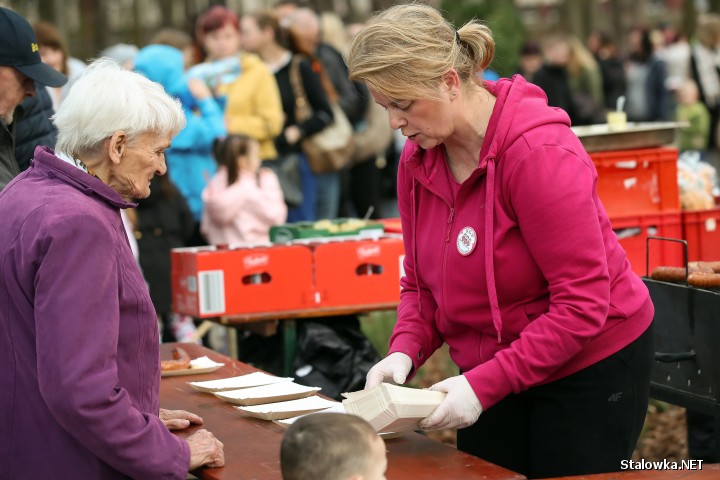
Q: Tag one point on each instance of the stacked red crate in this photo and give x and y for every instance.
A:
(358, 272)
(212, 282)
(701, 229)
(639, 191)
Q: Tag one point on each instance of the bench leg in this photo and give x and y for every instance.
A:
(290, 347)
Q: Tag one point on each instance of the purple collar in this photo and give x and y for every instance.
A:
(46, 163)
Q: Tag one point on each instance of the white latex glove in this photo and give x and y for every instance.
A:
(461, 407)
(395, 366)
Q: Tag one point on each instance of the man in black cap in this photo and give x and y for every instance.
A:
(20, 68)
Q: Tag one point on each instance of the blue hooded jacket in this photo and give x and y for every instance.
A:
(189, 160)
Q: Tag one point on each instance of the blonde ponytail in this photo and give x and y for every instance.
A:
(405, 50)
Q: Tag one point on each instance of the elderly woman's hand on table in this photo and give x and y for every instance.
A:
(205, 450)
(178, 419)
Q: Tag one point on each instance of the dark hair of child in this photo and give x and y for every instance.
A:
(227, 151)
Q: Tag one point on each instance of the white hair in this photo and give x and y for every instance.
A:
(108, 98)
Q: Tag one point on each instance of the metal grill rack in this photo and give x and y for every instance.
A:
(687, 354)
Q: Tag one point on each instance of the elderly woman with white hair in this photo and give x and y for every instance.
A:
(79, 383)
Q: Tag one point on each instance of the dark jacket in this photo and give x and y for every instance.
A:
(8, 165)
(164, 222)
(351, 101)
(553, 80)
(658, 99)
(322, 114)
(34, 127)
(613, 74)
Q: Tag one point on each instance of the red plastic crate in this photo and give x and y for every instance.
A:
(358, 272)
(632, 234)
(210, 282)
(701, 229)
(392, 225)
(639, 181)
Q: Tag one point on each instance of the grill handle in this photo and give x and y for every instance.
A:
(675, 357)
(647, 253)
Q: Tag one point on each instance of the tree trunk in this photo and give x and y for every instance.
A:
(47, 12)
(138, 28)
(689, 16)
(166, 11)
(577, 17)
(93, 28)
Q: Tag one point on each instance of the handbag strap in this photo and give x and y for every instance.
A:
(302, 106)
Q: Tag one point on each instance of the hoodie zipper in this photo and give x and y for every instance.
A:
(450, 220)
(444, 260)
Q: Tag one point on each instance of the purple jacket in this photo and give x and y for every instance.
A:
(540, 288)
(79, 354)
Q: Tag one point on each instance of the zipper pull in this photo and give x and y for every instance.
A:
(450, 219)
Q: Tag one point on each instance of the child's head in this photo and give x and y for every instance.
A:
(332, 446)
(688, 93)
(237, 153)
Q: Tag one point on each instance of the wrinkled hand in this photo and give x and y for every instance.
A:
(461, 407)
(205, 450)
(395, 366)
(178, 419)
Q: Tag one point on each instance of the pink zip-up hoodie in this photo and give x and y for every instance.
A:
(544, 289)
(242, 213)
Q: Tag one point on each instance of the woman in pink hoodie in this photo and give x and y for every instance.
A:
(242, 201)
(510, 257)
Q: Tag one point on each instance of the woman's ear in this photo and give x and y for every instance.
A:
(117, 145)
(450, 82)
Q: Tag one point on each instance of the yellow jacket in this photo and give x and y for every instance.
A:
(253, 105)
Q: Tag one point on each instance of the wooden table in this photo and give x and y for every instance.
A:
(288, 317)
(252, 446)
(710, 471)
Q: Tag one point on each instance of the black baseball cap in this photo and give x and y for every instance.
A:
(19, 49)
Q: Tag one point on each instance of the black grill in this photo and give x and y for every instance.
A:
(687, 348)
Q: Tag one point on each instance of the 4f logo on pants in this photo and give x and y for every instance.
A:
(615, 397)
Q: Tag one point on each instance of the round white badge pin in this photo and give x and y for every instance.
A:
(466, 241)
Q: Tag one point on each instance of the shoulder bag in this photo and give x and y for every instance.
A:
(329, 149)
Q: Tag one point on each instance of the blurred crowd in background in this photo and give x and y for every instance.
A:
(255, 87)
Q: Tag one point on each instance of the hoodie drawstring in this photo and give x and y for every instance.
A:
(414, 241)
(490, 247)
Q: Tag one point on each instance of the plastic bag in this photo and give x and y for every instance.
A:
(333, 354)
(697, 181)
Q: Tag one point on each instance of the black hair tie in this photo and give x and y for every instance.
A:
(457, 37)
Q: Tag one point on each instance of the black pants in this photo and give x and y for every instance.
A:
(582, 424)
(361, 188)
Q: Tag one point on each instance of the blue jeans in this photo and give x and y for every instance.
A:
(327, 190)
(306, 211)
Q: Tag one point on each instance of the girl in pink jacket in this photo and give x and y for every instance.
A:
(510, 258)
(242, 201)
